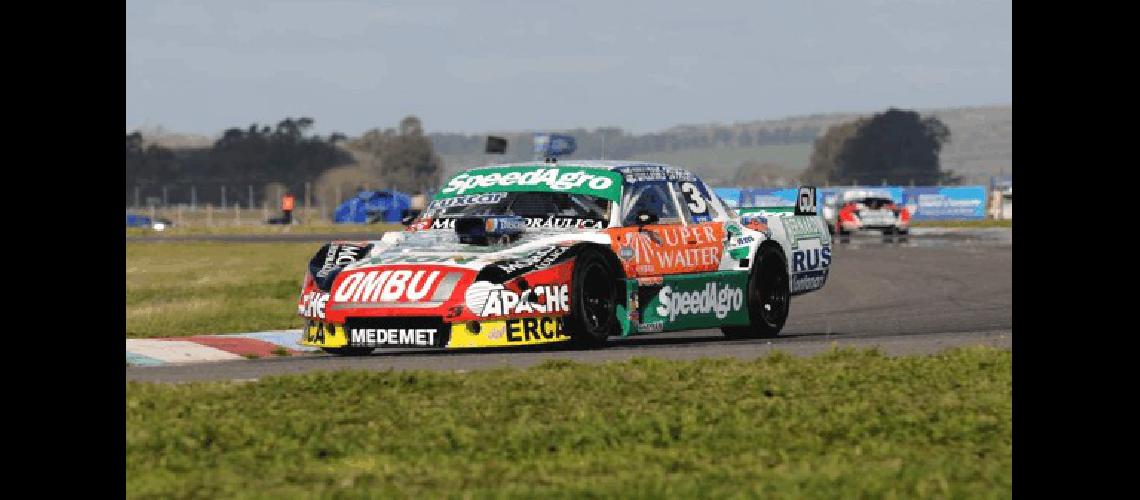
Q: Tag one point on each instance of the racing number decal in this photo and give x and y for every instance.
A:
(805, 201)
(693, 198)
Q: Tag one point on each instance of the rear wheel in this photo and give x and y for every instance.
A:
(769, 297)
(348, 351)
(593, 300)
(844, 235)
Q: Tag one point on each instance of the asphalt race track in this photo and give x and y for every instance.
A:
(937, 289)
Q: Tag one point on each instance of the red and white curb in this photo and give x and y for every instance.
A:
(210, 348)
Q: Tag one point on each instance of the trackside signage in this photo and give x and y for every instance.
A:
(553, 179)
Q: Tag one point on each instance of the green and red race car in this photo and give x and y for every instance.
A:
(579, 251)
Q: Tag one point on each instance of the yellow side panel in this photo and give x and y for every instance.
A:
(324, 335)
(510, 332)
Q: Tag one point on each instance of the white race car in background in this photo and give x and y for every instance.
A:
(854, 211)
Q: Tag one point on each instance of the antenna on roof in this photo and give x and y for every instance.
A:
(603, 145)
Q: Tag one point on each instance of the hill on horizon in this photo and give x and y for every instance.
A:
(981, 145)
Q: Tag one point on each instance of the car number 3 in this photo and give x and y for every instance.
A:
(694, 199)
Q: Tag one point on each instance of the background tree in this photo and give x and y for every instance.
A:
(896, 146)
(825, 157)
(404, 160)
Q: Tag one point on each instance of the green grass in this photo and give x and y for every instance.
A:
(191, 288)
(964, 223)
(851, 424)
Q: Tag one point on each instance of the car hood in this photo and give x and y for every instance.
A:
(442, 247)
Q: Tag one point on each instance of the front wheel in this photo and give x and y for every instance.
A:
(348, 351)
(769, 297)
(593, 300)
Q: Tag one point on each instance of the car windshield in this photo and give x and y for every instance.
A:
(875, 203)
(524, 204)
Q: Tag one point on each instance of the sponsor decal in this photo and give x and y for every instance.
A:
(496, 332)
(809, 268)
(732, 229)
(526, 329)
(313, 304)
(388, 285)
(551, 222)
(650, 173)
(321, 334)
(531, 223)
(487, 299)
(739, 247)
(460, 201)
(805, 201)
(712, 299)
(596, 182)
(564, 223)
(369, 337)
(441, 223)
(811, 280)
(338, 255)
(538, 259)
(801, 228)
(505, 224)
(756, 223)
(655, 327)
(677, 249)
(696, 301)
(810, 260)
(509, 332)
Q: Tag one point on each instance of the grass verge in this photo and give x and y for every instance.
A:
(193, 288)
(847, 423)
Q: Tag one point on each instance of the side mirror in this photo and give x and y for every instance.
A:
(407, 221)
(644, 217)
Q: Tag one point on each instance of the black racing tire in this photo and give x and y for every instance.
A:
(769, 297)
(349, 351)
(593, 300)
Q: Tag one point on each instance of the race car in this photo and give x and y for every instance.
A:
(854, 211)
(534, 253)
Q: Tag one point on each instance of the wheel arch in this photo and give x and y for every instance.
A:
(779, 251)
(613, 261)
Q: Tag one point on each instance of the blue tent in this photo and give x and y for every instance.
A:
(365, 205)
(136, 220)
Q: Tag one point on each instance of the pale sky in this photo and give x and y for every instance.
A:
(471, 67)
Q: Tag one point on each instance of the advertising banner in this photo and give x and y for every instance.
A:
(731, 196)
(923, 202)
(956, 202)
(768, 197)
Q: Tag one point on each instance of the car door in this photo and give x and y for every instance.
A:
(668, 244)
(676, 265)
